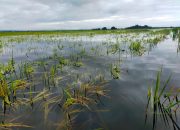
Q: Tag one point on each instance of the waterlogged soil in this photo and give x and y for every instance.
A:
(124, 107)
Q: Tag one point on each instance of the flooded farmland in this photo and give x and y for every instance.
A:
(91, 81)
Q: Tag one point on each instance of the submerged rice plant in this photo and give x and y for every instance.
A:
(163, 104)
(115, 71)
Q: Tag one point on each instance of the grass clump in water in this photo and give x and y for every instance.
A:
(137, 48)
(78, 64)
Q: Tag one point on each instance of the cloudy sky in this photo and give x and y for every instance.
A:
(86, 14)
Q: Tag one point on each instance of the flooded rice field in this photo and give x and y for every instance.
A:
(111, 81)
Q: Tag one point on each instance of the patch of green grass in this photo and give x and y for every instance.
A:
(137, 48)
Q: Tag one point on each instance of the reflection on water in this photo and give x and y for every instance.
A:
(87, 82)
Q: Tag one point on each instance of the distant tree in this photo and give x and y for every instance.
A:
(146, 26)
(139, 27)
(113, 28)
(96, 29)
(104, 28)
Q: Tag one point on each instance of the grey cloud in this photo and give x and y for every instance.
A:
(81, 14)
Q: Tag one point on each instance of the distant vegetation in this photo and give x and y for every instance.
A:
(103, 30)
(113, 28)
(133, 27)
(139, 27)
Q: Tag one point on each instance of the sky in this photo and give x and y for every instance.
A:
(86, 14)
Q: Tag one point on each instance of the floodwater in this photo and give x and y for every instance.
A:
(125, 106)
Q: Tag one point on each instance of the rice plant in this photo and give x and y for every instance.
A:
(163, 103)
